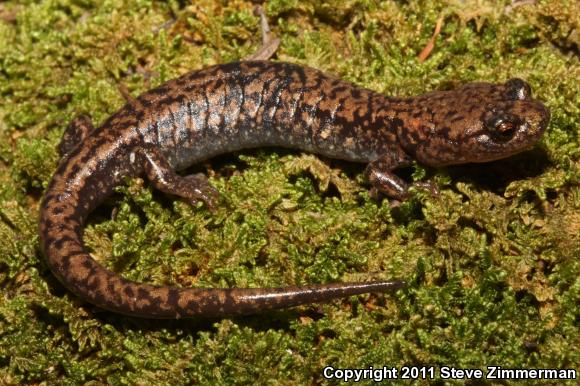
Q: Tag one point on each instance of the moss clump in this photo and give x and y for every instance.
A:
(492, 261)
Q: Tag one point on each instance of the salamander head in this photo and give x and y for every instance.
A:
(477, 122)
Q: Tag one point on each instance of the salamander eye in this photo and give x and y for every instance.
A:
(501, 127)
(517, 89)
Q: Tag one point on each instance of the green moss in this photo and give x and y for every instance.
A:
(492, 261)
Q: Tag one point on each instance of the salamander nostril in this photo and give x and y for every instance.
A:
(518, 89)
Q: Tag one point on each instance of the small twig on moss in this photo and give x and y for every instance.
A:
(431, 44)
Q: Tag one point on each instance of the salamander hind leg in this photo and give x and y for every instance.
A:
(192, 188)
(78, 129)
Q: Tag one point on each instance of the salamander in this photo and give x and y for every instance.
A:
(242, 105)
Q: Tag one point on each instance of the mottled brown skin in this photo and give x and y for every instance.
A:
(251, 104)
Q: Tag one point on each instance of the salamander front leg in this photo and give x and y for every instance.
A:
(77, 130)
(193, 188)
(380, 175)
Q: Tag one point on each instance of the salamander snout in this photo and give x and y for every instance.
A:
(544, 117)
(535, 117)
